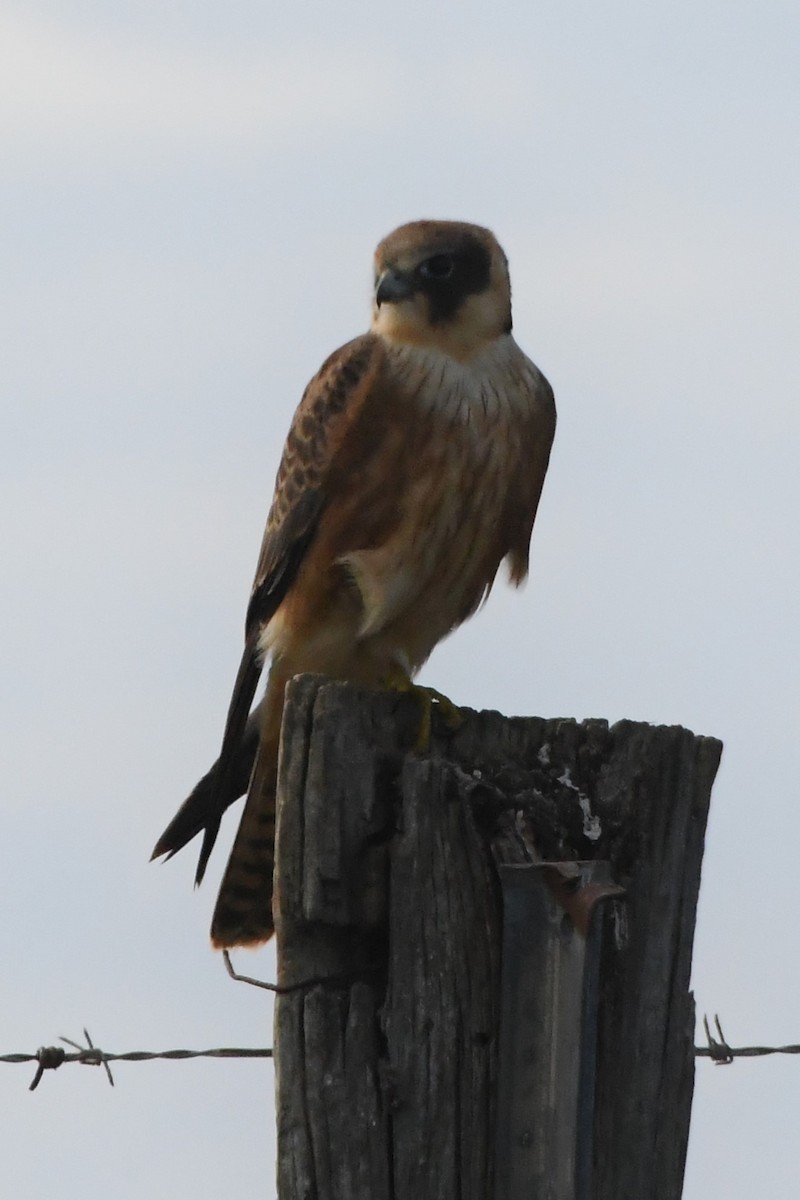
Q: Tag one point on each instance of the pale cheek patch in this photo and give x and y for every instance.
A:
(477, 323)
(406, 321)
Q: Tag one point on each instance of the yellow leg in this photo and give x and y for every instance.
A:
(399, 681)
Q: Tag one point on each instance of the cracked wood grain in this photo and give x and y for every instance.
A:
(386, 886)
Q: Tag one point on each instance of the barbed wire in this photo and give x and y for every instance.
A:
(52, 1057)
(49, 1058)
(723, 1055)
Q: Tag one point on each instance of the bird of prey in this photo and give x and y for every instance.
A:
(413, 467)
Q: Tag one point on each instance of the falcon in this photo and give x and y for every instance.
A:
(413, 467)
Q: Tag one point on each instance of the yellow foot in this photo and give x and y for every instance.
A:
(398, 681)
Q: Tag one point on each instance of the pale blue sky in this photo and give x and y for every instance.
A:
(190, 198)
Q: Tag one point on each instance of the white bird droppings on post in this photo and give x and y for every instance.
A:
(592, 828)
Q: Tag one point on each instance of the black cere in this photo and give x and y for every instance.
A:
(448, 278)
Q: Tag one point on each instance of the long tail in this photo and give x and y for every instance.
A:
(243, 913)
(208, 800)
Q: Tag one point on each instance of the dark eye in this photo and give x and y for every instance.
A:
(441, 266)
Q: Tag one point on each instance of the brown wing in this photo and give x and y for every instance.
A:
(329, 404)
(537, 439)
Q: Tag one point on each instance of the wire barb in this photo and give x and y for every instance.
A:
(90, 1055)
(718, 1050)
(723, 1054)
(48, 1059)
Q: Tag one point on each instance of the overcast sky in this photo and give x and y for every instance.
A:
(191, 193)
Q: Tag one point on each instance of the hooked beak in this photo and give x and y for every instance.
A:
(392, 286)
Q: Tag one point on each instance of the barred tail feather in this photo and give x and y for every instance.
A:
(243, 912)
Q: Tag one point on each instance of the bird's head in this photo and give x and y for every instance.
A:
(443, 285)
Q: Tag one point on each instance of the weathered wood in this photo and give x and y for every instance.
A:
(548, 1020)
(386, 889)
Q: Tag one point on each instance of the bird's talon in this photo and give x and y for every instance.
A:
(452, 716)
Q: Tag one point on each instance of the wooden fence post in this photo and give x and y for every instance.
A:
(388, 895)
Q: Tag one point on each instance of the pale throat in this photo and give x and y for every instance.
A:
(494, 382)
